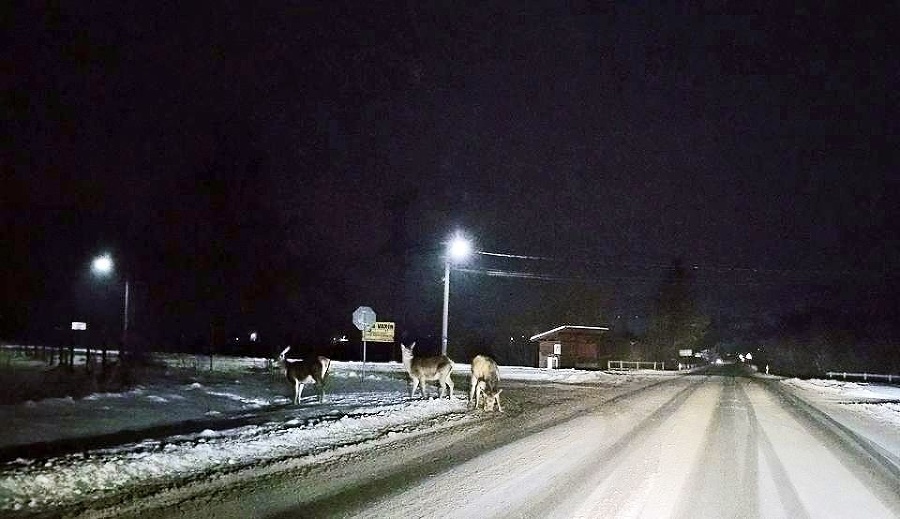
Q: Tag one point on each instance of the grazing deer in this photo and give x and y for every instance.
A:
(302, 372)
(422, 369)
(484, 384)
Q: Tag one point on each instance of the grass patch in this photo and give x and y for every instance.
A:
(23, 379)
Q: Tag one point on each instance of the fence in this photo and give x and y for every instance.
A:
(628, 364)
(67, 354)
(864, 376)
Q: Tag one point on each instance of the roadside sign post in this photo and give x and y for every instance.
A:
(77, 326)
(363, 319)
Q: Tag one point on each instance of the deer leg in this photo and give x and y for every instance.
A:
(415, 384)
(472, 385)
(449, 385)
(299, 391)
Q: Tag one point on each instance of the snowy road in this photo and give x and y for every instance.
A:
(698, 447)
(693, 446)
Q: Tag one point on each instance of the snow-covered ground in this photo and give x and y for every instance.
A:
(237, 412)
(870, 410)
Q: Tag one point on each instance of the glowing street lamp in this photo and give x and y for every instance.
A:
(458, 250)
(104, 266)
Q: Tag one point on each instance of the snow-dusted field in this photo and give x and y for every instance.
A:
(363, 402)
(239, 414)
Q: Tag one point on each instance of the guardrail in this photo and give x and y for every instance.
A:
(629, 364)
(864, 376)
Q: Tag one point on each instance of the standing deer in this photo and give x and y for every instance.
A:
(484, 383)
(302, 372)
(422, 369)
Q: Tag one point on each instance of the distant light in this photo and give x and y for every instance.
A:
(102, 265)
(253, 336)
(460, 248)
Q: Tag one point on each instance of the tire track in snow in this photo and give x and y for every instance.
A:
(810, 467)
(561, 499)
(839, 437)
(787, 493)
(490, 473)
(723, 482)
(516, 425)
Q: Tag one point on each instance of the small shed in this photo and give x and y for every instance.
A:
(571, 346)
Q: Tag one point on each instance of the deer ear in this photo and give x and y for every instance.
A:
(413, 345)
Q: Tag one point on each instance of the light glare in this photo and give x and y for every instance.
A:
(102, 265)
(460, 248)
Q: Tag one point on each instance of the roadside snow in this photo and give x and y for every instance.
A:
(363, 402)
(56, 480)
(870, 410)
(848, 390)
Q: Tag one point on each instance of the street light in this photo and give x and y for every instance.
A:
(458, 249)
(103, 266)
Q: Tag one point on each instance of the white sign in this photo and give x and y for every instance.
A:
(77, 325)
(363, 318)
(380, 332)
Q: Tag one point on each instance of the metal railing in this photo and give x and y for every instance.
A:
(844, 375)
(630, 364)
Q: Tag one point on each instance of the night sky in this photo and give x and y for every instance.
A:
(272, 167)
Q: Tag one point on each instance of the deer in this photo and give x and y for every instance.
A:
(422, 369)
(484, 384)
(302, 372)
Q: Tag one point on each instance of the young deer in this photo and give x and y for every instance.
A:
(484, 384)
(302, 372)
(422, 369)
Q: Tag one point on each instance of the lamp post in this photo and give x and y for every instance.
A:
(103, 266)
(458, 249)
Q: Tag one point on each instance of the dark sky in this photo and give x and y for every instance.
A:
(275, 166)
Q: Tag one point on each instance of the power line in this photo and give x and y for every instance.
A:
(516, 256)
(693, 267)
(637, 279)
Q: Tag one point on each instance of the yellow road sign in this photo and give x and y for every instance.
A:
(380, 332)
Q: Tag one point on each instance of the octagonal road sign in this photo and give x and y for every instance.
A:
(363, 318)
